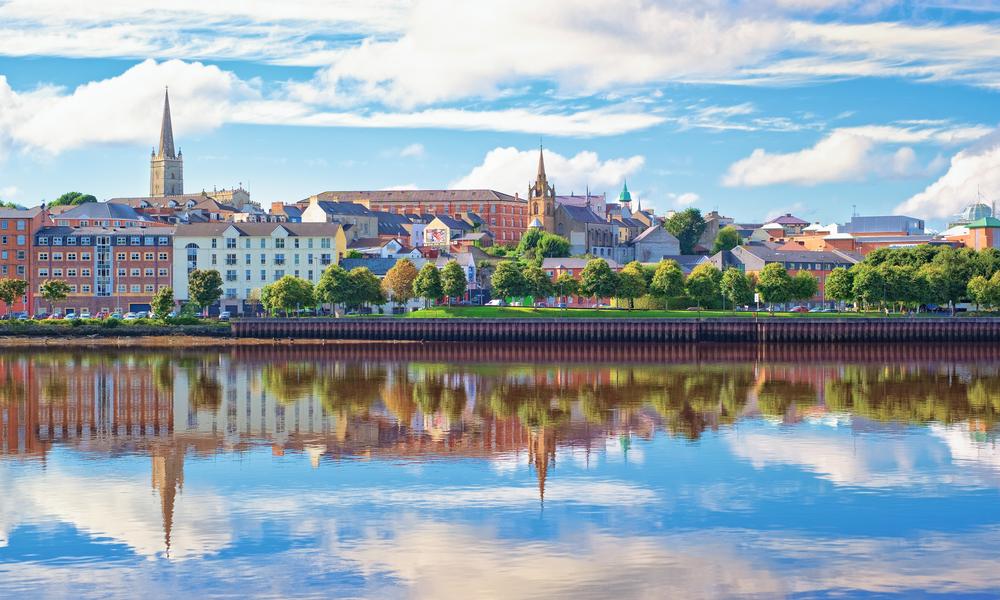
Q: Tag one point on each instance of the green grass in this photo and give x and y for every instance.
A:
(516, 312)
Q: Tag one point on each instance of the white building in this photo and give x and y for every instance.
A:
(249, 256)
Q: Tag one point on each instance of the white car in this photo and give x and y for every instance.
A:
(85, 313)
(131, 316)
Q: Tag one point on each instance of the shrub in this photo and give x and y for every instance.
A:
(109, 323)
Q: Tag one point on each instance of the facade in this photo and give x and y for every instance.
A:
(16, 230)
(103, 214)
(357, 220)
(166, 167)
(884, 224)
(503, 215)
(443, 231)
(108, 269)
(652, 245)
(980, 234)
(752, 258)
(249, 256)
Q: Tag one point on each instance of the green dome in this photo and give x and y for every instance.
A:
(624, 196)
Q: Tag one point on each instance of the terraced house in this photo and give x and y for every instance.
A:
(249, 256)
(107, 268)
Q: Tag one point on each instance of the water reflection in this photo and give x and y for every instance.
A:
(541, 471)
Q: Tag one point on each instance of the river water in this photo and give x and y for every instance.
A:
(461, 471)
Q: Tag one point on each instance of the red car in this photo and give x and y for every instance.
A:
(799, 309)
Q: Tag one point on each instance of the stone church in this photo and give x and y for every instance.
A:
(166, 168)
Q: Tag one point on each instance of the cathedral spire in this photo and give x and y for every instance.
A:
(166, 129)
(541, 164)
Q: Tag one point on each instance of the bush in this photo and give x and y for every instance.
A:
(75, 322)
(183, 320)
(109, 323)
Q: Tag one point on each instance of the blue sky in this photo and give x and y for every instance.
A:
(754, 108)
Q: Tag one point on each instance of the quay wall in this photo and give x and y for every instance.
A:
(616, 330)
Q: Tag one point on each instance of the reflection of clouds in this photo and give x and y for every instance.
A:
(844, 458)
(125, 511)
(966, 449)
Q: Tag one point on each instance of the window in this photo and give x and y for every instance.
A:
(85, 288)
(215, 243)
(21, 240)
(324, 259)
(278, 274)
(309, 243)
(133, 256)
(135, 272)
(71, 256)
(147, 256)
(297, 259)
(309, 259)
(263, 275)
(57, 272)
(70, 241)
(122, 272)
(324, 243)
(70, 272)
(84, 272)
(162, 272)
(249, 275)
(148, 272)
(43, 240)
(20, 254)
(57, 256)
(136, 288)
(122, 288)
(231, 275)
(295, 243)
(231, 293)
(43, 256)
(263, 259)
(279, 243)
(120, 241)
(215, 260)
(162, 256)
(162, 240)
(85, 241)
(120, 256)
(21, 225)
(279, 259)
(246, 243)
(148, 287)
(56, 241)
(72, 288)
(263, 242)
(230, 243)
(247, 260)
(230, 259)
(43, 272)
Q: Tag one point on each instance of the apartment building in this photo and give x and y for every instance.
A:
(107, 268)
(249, 256)
(16, 229)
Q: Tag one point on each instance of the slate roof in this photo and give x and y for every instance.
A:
(574, 200)
(417, 196)
(64, 230)
(789, 219)
(103, 210)
(453, 223)
(216, 228)
(344, 208)
(391, 223)
(649, 232)
(582, 214)
(378, 266)
(774, 255)
(15, 213)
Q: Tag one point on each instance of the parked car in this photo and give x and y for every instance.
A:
(41, 316)
(85, 313)
(115, 315)
(798, 309)
(55, 316)
(696, 308)
(224, 315)
(561, 305)
(541, 305)
(130, 316)
(496, 302)
(101, 314)
(142, 314)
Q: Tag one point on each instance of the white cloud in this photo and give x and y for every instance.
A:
(849, 153)
(8, 192)
(509, 169)
(972, 171)
(683, 199)
(413, 151)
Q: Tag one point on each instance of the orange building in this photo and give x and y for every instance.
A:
(16, 230)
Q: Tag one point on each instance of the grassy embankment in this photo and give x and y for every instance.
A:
(185, 326)
(516, 312)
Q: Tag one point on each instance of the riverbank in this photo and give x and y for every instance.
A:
(111, 328)
(521, 312)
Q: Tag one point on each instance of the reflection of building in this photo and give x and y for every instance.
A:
(168, 480)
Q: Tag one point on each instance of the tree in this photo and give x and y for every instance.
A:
(508, 280)
(552, 246)
(453, 281)
(687, 226)
(978, 290)
(398, 282)
(205, 287)
(72, 199)
(598, 280)
(804, 286)
(288, 294)
(427, 284)
(957, 266)
(736, 287)
(934, 283)
(668, 281)
(538, 284)
(901, 284)
(163, 302)
(840, 284)
(334, 286)
(54, 290)
(869, 283)
(11, 290)
(774, 285)
(703, 283)
(631, 283)
(566, 285)
(10, 205)
(727, 239)
(529, 240)
(364, 288)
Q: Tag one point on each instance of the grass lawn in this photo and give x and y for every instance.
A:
(498, 312)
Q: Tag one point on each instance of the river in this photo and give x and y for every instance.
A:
(472, 471)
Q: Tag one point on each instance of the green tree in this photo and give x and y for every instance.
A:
(869, 283)
(11, 290)
(736, 287)
(398, 281)
(335, 286)
(204, 287)
(72, 199)
(552, 246)
(774, 285)
(840, 284)
(935, 284)
(566, 285)
(957, 265)
(10, 205)
(687, 226)
(727, 239)
(631, 283)
(54, 290)
(598, 280)
(427, 284)
(987, 262)
(365, 288)
(538, 283)
(901, 284)
(804, 286)
(703, 283)
(288, 294)
(163, 302)
(453, 281)
(668, 281)
(508, 280)
(529, 240)
(978, 290)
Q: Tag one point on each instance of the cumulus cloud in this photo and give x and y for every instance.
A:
(683, 200)
(973, 171)
(849, 153)
(509, 169)
(413, 151)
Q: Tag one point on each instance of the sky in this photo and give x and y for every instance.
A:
(822, 108)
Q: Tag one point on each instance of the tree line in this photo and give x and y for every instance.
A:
(919, 276)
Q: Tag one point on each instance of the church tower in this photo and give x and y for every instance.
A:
(542, 198)
(166, 168)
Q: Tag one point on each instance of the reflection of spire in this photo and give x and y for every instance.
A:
(542, 450)
(168, 479)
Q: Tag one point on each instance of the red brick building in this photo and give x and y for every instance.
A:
(16, 230)
(106, 268)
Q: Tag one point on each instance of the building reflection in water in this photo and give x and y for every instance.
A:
(414, 402)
